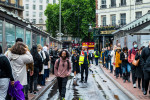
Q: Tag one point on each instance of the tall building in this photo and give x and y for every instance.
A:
(120, 12)
(14, 6)
(34, 11)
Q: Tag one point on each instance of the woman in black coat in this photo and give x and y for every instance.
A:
(139, 70)
(75, 61)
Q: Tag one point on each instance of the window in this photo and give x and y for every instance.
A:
(1, 31)
(113, 3)
(41, 1)
(34, 21)
(16, 3)
(138, 0)
(54, 1)
(41, 21)
(34, 1)
(27, 6)
(41, 27)
(123, 2)
(138, 15)
(10, 34)
(27, 13)
(41, 7)
(20, 33)
(113, 20)
(103, 4)
(123, 19)
(41, 14)
(27, 0)
(103, 20)
(47, 1)
(34, 7)
(28, 39)
(34, 14)
(27, 19)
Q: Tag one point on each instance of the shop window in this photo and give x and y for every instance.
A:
(1, 31)
(10, 34)
(28, 39)
(20, 33)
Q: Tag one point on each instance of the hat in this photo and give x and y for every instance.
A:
(118, 48)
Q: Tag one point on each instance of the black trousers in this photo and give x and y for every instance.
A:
(146, 79)
(91, 60)
(84, 67)
(133, 70)
(62, 82)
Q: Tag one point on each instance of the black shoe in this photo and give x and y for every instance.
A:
(81, 81)
(31, 91)
(145, 92)
(85, 81)
(129, 80)
(35, 92)
(26, 97)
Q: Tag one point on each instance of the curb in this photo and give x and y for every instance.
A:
(44, 89)
(132, 97)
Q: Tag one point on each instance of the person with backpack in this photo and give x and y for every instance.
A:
(96, 54)
(46, 63)
(5, 75)
(131, 56)
(145, 60)
(62, 70)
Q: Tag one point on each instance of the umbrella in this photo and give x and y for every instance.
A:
(16, 91)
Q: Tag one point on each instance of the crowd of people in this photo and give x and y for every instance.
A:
(123, 62)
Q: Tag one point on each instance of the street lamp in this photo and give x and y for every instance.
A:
(89, 31)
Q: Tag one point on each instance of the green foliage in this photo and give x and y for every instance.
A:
(70, 17)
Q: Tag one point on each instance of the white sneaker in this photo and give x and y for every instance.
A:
(39, 87)
(134, 85)
(48, 80)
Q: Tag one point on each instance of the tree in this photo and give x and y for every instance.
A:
(70, 17)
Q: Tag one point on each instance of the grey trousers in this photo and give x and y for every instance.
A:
(4, 84)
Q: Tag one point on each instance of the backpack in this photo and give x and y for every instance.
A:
(59, 62)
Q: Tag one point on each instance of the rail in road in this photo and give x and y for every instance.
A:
(98, 87)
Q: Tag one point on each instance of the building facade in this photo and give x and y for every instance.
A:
(13, 6)
(34, 11)
(120, 12)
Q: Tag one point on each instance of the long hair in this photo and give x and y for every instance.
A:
(34, 52)
(19, 48)
(67, 54)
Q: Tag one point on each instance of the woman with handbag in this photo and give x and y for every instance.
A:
(139, 69)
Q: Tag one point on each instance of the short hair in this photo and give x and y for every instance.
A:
(125, 49)
(19, 40)
(67, 54)
(134, 42)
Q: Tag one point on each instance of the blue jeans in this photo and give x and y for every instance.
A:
(108, 62)
(126, 68)
(118, 71)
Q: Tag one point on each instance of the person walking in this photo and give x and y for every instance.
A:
(5, 75)
(103, 56)
(90, 57)
(96, 54)
(113, 59)
(62, 70)
(108, 57)
(125, 65)
(84, 66)
(118, 62)
(75, 61)
(139, 69)
(145, 60)
(37, 69)
(131, 56)
(19, 56)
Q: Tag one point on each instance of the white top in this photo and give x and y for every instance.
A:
(18, 64)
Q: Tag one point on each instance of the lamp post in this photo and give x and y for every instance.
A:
(89, 31)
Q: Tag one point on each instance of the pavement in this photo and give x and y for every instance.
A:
(41, 91)
(127, 88)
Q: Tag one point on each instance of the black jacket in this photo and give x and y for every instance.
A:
(145, 58)
(45, 62)
(89, 56)
(139, 68)
(5, 68)
(122, 58)
(55, 55)
(38, 62)
(73, 59)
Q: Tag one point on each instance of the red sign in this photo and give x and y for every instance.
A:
(90, 45)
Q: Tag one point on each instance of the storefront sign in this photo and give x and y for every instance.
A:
(107, 32)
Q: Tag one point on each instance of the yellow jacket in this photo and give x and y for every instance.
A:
(117, 60)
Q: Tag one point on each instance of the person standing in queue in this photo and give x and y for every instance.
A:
(62, 70)
(84, 66)
(96, 54)
(91, 57)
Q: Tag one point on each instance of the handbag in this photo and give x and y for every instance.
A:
(135, 62)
